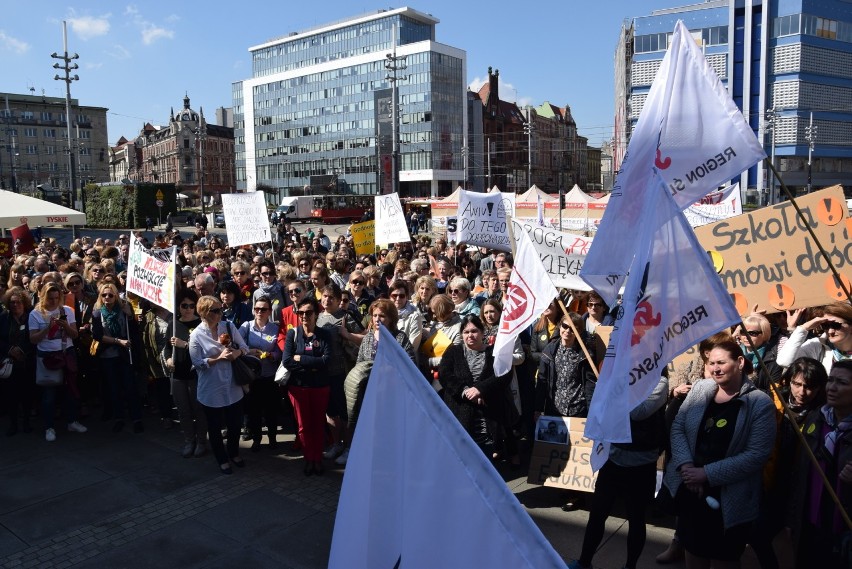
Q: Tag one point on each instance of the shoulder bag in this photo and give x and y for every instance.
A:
(6, 368)
(245, 368)
(282, 374)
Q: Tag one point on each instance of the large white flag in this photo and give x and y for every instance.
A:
(408, 504)
(561, 254)
(673, 299)
(529, 293)
(692, 132)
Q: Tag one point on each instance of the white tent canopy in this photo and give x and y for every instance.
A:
(532, 195)
(18, 209)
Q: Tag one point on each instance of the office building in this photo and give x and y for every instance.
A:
(316, 115)
(787, 65)
(34, 143)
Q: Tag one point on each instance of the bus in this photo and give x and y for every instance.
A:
(341, 208)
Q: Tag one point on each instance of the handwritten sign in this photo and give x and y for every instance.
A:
(363, 237)
(560, 464)
(715, 206)
(483, 218)
(768, 258)
(151, 274)
(391, 226)
(246, 220)
(562, 254)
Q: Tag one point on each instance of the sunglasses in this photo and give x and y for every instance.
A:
(97, 270)
(305, 313)
(107, 295)
(75, 283)
(359, 283)
(266, 274)
(398, 295)
(566, 326)
(215, 311)
(294, 291)
(238, 273)
(187, 306)
(832, 325)
(457, 291)
(261, 308)
(593, 304)
(753, 333)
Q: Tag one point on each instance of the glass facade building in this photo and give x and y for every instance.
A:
(787, 65)
(315, 115)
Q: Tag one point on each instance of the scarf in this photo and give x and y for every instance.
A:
(755, 356)
(839, 356)
(271, 290)
(111, 320)
(837, 429)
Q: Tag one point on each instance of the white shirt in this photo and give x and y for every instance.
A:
(216, 385)
(54, 340)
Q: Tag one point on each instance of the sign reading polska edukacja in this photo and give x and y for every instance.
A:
(151, 274)
(482, 219)
(391, 226)
(246, 218)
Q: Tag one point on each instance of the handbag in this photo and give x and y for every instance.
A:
(6, 368)
(54, 360)
(245, 368)
(282, 374)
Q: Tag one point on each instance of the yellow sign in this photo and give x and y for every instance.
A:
(364, 237)
(159, 194)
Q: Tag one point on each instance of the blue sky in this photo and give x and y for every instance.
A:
(138, 60)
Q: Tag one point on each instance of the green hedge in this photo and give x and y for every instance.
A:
(127, 206)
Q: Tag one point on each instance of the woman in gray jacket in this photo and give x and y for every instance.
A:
(721, 439)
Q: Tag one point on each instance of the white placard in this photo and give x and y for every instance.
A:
(246, 220)
(151, 274)
(391, 226)
(482, 219)
(562, 254)
(715, 206)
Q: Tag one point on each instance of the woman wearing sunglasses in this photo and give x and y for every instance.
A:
(307, 352)
(113, 326)
(263, 400)
(832, 342)
(756, 328)
(213, 345)
(184, 380)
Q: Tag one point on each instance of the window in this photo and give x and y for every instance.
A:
(27, 115)
(31, 132)
(46, 116)
(86, 134)
(50, 132)
(31, 149)
(186, 143)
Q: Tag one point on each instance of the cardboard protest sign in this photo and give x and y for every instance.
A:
(151, 274)
(482, 219)
(715, 206)
(561, 455)
(767, 258)
(363, 237)
(391, 224)
(246, 219)
(562, 254)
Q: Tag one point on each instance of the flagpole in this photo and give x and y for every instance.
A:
(799, 434)
(174, 308)
(579, 339)
(810, 229)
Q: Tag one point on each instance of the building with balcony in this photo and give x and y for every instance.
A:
(34, 147)
(316, 114)
(188, 152)
(787, 65)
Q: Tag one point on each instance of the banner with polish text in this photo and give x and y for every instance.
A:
(692, 133)
(715, 206)
(561, 254)
(246, 218)
(388, 514)
(673, 299)
(391, 225)
(151, 274)
(483, 217)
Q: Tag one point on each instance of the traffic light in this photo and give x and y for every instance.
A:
(66, 199)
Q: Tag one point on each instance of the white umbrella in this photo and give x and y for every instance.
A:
(18, 209)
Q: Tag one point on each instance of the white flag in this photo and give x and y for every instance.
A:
(408, 504)
(673, 299)
(529, 293)
(561, 254)
(151, 274)
(693, 133)
(715, 206)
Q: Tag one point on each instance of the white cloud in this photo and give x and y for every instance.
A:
(172, 18)
(87, 27)
(119, 52)
(130, 10)
(151, 33)
(90, 65)
(9, 43)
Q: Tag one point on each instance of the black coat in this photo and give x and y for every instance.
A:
(311, 369)
(545, 387)
(455, 377)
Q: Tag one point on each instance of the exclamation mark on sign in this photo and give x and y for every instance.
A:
(782, 297)
(830, 215)
(837, 287)
(490, 206)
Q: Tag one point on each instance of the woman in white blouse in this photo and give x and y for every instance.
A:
(213, 345)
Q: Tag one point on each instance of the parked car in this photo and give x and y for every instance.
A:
(183, 216)
(219, 220)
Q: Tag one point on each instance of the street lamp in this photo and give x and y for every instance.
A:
(810, 136)
(68, 67)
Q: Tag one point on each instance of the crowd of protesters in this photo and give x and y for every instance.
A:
(82, 348)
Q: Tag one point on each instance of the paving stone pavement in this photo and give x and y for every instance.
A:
(101, 499)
